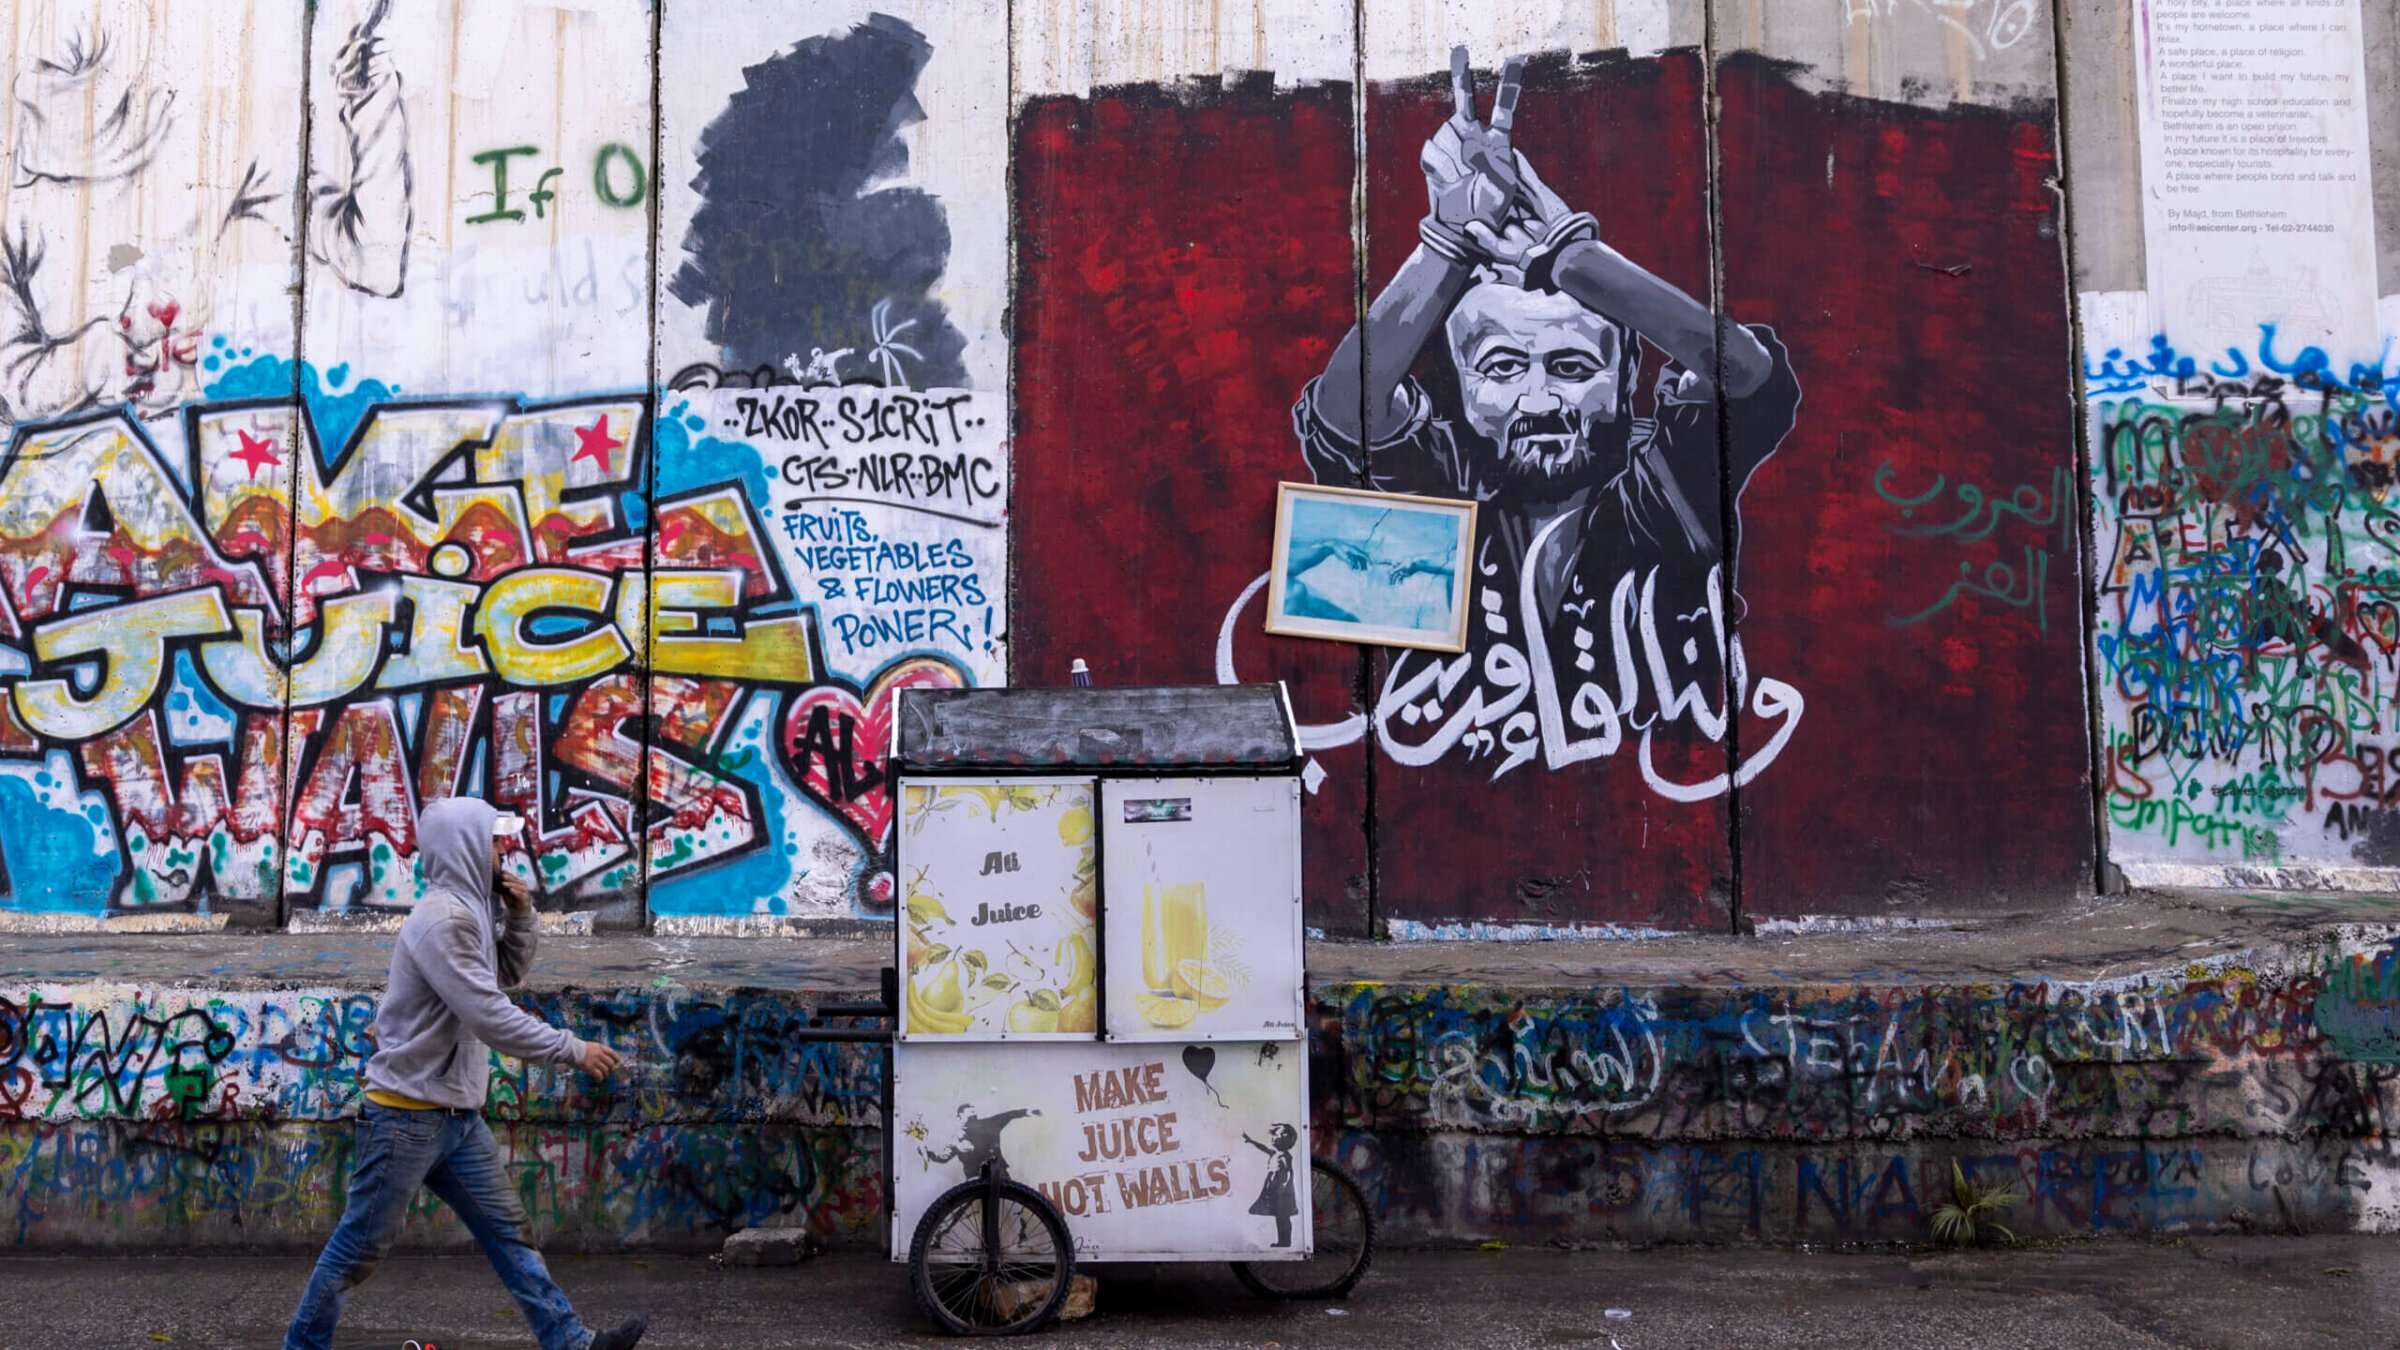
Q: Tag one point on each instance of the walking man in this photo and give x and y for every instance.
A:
(422, 1123)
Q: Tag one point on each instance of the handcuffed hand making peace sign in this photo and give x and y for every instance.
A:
(1486, 202)
(1470, 172)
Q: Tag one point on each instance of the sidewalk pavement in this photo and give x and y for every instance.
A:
(2196, 1294)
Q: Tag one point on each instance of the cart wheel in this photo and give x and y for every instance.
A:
(1345, 1242)
(999, 1274)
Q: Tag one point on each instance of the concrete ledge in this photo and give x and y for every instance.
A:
(2116, 938)
(2174, 1062)
(768, 926)
(15, 923)
(1409, 930)
(379, 921)
(1851, 923)
(2170, 876)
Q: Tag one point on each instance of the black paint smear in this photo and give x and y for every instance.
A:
(788, 250)
(2379, 844)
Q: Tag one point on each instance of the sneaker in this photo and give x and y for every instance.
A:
(623, 1337)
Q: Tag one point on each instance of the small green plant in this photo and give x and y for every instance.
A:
(1972, 1211)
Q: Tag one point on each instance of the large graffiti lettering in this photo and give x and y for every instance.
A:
(265, 674)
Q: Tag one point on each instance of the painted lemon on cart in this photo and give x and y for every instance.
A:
(1075, 828)
(1203, 984)
(1002, 893)
(1166, 1010)
(1185, 965)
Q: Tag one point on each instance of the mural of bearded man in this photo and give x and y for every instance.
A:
(1602, 546)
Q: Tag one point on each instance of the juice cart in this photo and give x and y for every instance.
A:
(1100, 1039)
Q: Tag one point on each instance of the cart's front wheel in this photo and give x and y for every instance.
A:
(997, 1272)
(1344, 1246)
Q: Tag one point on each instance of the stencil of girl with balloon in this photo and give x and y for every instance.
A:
(1276, 1198)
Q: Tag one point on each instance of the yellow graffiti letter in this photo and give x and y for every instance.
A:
(439, 622)
(519, 596)
(767, 650)
(130, 642)
(349, 642)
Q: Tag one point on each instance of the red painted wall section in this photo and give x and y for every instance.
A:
(1907, 556)
(1910, 555)
(1481, 833)
(1184, 267)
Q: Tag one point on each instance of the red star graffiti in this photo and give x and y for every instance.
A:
(256, 453)
(595, 443)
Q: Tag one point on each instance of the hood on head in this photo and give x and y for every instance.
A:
(454, 845)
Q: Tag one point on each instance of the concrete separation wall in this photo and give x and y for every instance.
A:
(2236, 314)
(2241, 1083)
(609, 410)
(2226, 1096)
(194, 1116)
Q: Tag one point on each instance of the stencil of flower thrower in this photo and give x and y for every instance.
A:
(1099, 1045)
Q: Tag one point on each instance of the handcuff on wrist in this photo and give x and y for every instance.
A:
(1448, 242)
(1542, 257)
(1455, 246)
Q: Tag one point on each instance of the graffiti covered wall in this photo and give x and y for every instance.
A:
(131, 1115)
(507, 454)
(2239, 415)
(2243, 1094)
(611, 414)
(2246, 1092)
(1718, 662)
(2246, 635)
(829, 341)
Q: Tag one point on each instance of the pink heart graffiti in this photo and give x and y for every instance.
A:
(836, 745)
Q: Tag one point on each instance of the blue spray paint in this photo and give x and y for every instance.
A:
(336, 415)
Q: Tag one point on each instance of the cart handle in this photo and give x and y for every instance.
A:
(878, 1008)
(871, 1035)
(887, 1008)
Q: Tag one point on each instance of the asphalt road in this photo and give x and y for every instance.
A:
(2202, 1293)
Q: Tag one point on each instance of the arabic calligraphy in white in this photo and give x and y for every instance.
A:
(1589, 724)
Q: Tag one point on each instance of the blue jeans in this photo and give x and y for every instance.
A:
(452, 1154)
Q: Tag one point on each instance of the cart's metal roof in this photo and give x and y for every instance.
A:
(1199, 726)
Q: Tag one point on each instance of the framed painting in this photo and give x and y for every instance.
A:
(1371, 567)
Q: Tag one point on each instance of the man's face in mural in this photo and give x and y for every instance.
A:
(1542, 377)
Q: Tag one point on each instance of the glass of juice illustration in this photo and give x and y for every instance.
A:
(1174, 929)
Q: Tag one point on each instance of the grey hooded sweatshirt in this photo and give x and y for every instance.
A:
(443, 1004)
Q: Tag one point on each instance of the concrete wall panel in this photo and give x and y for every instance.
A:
(1517, 782)
(468, 558)
(1184, 269)
(153, 149)
(2242, 646)
(148, 269)
(1911, 560)
(2243, 633)
(1994, 53)
(482, 224)
(832, 431)
(1411, 37)
(2102, 127)
(1068, 47)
